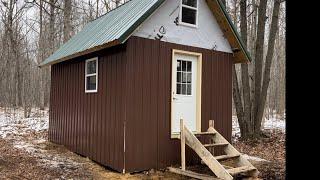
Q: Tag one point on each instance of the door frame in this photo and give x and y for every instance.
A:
(198, 85)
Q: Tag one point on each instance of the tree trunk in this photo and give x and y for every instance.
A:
(67, 21)
(259, 60)
(266, 76)
(41, 57)
(245, 69)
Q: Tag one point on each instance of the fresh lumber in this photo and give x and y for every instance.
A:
(205, 155)
(215, 144)
(192, 174)
(225, 157)
(241, 164)
(238, 170)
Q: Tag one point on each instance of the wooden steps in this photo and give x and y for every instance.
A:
(226, 157)
(239, 170)
(221, 171)
(204, 133)
(215, 144)
(192, 174)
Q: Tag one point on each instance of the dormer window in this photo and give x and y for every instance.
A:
(189, 13)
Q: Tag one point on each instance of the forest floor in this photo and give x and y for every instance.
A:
(25, 153)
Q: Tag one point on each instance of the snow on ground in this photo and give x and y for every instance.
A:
(254, 158)
(15, 127)
(13, 122)
(272, 123)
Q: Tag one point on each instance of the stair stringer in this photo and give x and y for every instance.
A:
(230, 150)
(206, 156)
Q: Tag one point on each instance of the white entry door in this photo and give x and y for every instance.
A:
(184, 92)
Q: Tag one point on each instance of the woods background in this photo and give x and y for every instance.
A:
(31, 30)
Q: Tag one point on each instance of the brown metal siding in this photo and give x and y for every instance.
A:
(90, 124)
(134, 90)
(148, 143)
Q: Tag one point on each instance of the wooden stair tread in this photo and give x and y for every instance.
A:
(242, 169)
(204, 133)
(216, 144)
(192, 174)
(222, 166)
(224, 157)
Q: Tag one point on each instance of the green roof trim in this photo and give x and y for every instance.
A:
(145, 16)
(234, 29)
(116, 26)
(111, 29)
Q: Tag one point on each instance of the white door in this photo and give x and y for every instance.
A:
(184, 92)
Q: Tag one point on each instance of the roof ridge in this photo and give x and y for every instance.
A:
(110, 11)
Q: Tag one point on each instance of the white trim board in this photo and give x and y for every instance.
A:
(163, 25)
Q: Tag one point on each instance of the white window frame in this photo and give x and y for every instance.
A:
(189, 7)
(89, 75)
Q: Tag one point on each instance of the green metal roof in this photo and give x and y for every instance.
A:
(112, 28)
(116, 26)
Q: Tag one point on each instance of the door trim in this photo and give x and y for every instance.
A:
(199, 85)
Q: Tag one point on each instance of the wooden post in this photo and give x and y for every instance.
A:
(183, 145)
(211, 128)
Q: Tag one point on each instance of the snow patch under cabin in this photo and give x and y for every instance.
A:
(163, 25)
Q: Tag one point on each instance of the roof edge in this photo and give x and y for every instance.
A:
(234, 31)
(82, 53)
(118, 41)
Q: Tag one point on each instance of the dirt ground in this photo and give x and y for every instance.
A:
(45, 160)
(25, 153)
(272, 149)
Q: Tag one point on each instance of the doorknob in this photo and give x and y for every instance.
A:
(175, 98)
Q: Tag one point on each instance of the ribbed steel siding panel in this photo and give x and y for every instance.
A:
(148, 143)
(90, 124)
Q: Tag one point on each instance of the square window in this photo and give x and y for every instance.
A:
(184, 65)
(189, 16)
(91, 75)
(178, 88)
(179, 65)
(192, 3)
(179, 77)
(91, 83)
(184, 77)
(91, 67)
(189, 66)
(189, 77)
(189, 89)
(184, 89)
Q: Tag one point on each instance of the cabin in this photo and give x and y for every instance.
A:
(120, 86)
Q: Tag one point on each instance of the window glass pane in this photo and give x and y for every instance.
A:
(91, 67)
(184, 89)
(184, 77)
(189, 76)
(178, 88)
(184, 66)
(192, 3)
(188, 89)
(188, 15)
(91, 83)
(179, 77)
(189, 66)
(179, 65)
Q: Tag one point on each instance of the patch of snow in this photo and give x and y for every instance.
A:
(13, 122)
(273, 123)
(30, 148)
(254, 158)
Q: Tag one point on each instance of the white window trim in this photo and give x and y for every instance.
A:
(190, 7)
(88, 75)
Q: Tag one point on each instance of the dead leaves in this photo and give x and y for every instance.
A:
(272, 149)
